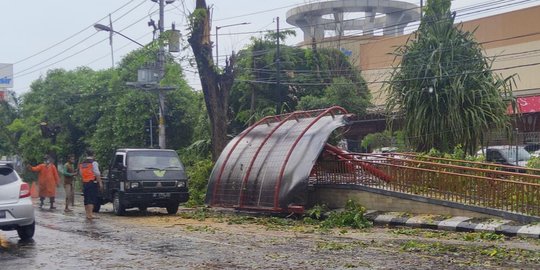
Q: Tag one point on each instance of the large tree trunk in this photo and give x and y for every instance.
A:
(215, 85)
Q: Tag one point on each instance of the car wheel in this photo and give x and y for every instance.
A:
(118, 208)
(26, 232)
(172, 208)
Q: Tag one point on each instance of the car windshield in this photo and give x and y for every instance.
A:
(7, 175)
(154, 160)
(510, 154)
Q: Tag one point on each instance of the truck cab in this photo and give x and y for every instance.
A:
(145, 178)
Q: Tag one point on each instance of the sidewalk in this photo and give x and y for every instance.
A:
(457, 223)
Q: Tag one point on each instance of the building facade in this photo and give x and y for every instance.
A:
(512, 39)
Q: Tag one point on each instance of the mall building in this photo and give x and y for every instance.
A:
(513, 38)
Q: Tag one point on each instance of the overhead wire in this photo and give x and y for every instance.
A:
(68, 38)
(482, 4)
(388, 81)
(466, 8)
(22, 73)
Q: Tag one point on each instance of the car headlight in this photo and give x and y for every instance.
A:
(181, 184)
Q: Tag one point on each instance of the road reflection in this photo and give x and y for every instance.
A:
(12, 246)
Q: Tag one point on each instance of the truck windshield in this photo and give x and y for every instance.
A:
(154, 160)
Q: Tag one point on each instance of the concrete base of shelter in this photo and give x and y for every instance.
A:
(336, 196)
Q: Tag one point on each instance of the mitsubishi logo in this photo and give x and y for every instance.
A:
(159, 173)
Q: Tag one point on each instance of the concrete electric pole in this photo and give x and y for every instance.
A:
(161, 74)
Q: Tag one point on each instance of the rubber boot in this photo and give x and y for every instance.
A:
(51, 199)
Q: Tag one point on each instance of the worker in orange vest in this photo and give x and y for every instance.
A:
(92, 184)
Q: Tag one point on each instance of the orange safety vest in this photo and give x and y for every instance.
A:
(87, 173)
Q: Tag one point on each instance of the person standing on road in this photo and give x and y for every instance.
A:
(92, 185)
(48, 179)
(69, 174)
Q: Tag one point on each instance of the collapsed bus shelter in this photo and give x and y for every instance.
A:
(267, 166)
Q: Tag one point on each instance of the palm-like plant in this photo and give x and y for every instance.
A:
(444, 86)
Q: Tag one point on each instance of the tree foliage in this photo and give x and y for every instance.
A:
(8, 114)
(310, 79)
(444, 85)
(97, 110)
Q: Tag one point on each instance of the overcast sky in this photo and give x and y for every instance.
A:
(39, 35)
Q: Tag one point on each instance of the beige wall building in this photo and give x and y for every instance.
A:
(513, 38)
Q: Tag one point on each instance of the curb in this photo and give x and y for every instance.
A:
(457, 224)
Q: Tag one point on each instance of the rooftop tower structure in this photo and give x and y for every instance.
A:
(388, 17)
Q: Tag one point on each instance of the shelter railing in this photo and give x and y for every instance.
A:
(505, 188)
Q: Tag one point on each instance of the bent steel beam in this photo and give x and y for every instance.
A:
(342, 155)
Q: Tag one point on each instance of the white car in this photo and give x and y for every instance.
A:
(16, 209)
(506, 155)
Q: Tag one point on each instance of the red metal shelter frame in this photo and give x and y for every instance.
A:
(282, 119)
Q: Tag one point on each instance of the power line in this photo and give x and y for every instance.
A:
(329, 40)
(515, 55)
(68, 38)
(466, 8)
(18, 74)
(387, 81)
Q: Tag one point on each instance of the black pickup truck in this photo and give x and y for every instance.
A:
(145, 178)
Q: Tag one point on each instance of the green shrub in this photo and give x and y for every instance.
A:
(534, 163)
(352, 216)
(317, 211)
(198, 175)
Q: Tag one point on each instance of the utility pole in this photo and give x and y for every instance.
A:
(151, 133)
(217, 47)
(278, 105)
(161, 74)
(421, 9)
(111, 40)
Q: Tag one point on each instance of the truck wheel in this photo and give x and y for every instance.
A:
(26, 232)
(97, 205)
(96, 208)
(118, 208)
(172, 208)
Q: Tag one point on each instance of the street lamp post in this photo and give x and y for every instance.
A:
(160, 67)
(101, 27)
(217, 29)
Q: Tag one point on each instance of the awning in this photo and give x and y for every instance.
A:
(527, 105)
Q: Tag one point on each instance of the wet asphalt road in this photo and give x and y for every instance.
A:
(158, 241)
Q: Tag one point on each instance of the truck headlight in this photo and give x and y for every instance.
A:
(134, 185)
(181, 184)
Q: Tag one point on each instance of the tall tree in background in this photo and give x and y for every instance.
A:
(8, 114)
(310, 79)
(96, 109)
(444, 85)
(215, 83)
